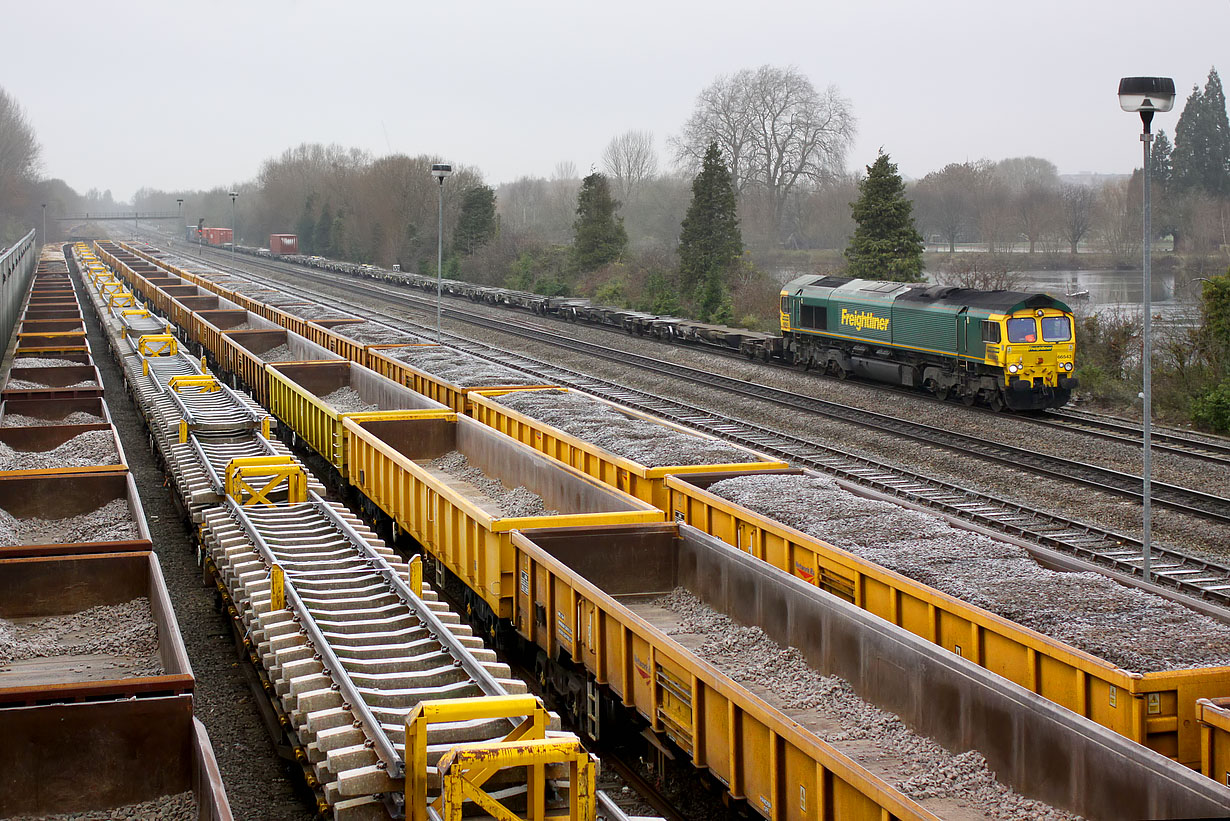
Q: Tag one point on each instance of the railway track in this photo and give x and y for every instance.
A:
(1186, 500)
(1108, 428)
(1193, 576)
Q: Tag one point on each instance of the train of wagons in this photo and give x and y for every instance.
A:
(1009, 350)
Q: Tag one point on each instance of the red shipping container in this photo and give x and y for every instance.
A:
(283, 244)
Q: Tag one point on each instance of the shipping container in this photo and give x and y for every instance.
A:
(283, 244)
(593, 597)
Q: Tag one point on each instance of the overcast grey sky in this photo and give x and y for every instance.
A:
(192, 95)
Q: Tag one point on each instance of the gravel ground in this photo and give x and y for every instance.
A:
(510, 502)
(281, 353)
(257, 781)
(41, 362)
(181, 807)
(94, 447)
(347, 400)
(644, 442)
(126, 629)
(111, 522)
(18, 420)
(1135, 630)
(828, 706)
(371, 333)
(30, 385)
(462, 369)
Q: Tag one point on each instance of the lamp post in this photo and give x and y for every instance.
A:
(1147, 95)
(440, 171)
(179, 206)
(44, 223)
(233, 195)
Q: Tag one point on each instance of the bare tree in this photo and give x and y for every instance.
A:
(1076, 206)
(946, 201)
(984, 272)
(1032, 186)
(1119, 219)
(630, 160)
(775, 130)
(19, 165)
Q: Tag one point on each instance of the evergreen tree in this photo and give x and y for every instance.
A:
(599, 234)
(307, 225)
(339, 240)
(885, 245)
(710, 243)
(322, 237)
(1202, 142)
(1161, 160)
(476, 224)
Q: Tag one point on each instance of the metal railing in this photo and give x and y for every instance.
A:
(16, 269)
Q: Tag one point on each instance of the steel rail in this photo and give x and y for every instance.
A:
(1190, 575)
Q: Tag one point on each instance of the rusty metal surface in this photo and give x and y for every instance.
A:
(93, 756)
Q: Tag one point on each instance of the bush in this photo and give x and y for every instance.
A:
(1211, 408)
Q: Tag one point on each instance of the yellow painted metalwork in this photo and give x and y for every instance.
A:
(121, 299)
(157, 344)
(1156, 709)
(205, 382)
(466, 767)
(416, 575)
(142, 312)
(267, 427)
(183, 430)
(277, 588)
(274, 470)
(643, 482)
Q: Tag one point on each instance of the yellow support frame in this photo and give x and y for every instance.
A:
(205, 382)
(155, 344)
(276, 468)
(142, 312)
(121, 299)
(466, 767)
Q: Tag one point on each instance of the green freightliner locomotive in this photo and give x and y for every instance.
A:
(1006, 349)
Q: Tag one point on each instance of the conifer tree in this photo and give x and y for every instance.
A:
(307, 225)
(710, 243)
(476, 224)
(886, 244)
(1201, 154)
(322, 239)
(599, 234)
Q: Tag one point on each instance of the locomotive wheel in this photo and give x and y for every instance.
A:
(970, 398)
(997, 402)
(942, 394)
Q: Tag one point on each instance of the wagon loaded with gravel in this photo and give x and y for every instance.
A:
(313, 399)
(622, 447)
(446, 374)
(1132, 657)
(807, 706)
(460, 488)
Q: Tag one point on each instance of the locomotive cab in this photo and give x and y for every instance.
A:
(1034, 350)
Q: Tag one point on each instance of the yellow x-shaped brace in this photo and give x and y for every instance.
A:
(465, 768)
(277, 469)
(206, 382)
(122, 299)
(156, 344)
(475, 764)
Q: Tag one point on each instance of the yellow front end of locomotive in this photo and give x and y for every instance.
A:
(1035, 347)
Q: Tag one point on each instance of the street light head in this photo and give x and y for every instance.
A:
(441, 170)
(1146, 94)
(233, 194)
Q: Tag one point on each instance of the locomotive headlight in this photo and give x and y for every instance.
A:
(1013, 368)
(1067, 366)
